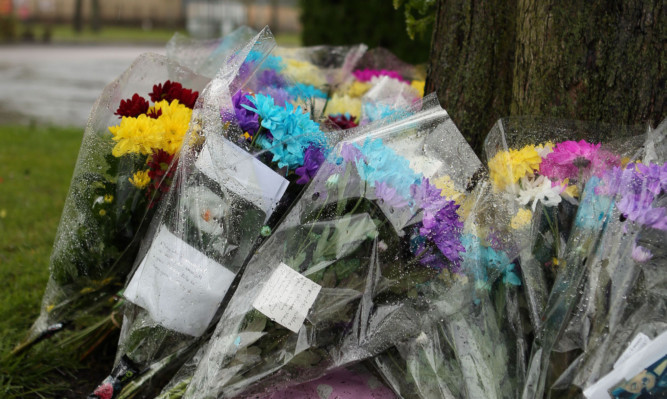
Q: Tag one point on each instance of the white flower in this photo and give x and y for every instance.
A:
(544, 150)
(540, 189)
(207, 210)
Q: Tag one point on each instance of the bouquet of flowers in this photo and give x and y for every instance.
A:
(245, 160)
(472, 326)
(336, 282)
(122, 171)
(541, 167)
(612, 289)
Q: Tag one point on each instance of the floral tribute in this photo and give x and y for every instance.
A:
(155, 132)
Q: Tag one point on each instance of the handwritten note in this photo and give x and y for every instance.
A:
(287, 297)
(180, 287)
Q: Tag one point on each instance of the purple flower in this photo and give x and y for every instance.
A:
(350, 153)
(270, 78)
(443, 228)
(637, 187)
(389, 195)
(312, 160)
(248, 120)
(640, 254)
(279, 95)
(428, 196)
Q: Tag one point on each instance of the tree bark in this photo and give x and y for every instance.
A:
(594, 60)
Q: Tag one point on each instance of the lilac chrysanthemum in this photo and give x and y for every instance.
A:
(637, 187)
(389, 195)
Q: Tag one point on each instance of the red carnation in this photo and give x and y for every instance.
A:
(343, 121)
(161, 175)
(171, 91)
(153, 113)
(132, 107)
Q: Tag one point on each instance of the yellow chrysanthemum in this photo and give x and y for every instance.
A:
(521, 219)
(341, 104)
(141, 135)
(108, 198)
(304, 72)
(358, 89)
(507, 167)
(447, 189)
(140, 179)
(571, 190)
(419, 86)
(135, 136)
(172, 125)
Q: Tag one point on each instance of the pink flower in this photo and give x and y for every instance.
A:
(572, 160)
(365, 75)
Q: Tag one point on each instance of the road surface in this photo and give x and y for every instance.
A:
(58, 84)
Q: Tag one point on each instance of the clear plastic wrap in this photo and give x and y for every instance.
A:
(541, 166)
(245, 160)
(471, 344)
(612, 287)
(205, 57)
(113, 190)
(335, 283)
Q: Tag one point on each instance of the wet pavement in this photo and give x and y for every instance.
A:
(58, 84)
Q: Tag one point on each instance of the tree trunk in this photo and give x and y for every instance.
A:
(593, 60)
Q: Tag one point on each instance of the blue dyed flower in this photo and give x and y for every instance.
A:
(304, 91)
(379, 163)
(484, 262)
(268, 62)
(271, 114)
(376, 111)
(593, 208)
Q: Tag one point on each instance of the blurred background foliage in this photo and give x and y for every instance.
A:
(343, 22)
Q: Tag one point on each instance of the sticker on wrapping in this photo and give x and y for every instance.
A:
(180, 287)
(643, 373)
(287, 297)
(238, 171)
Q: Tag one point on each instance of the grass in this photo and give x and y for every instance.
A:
(64, 34)
(36, 165)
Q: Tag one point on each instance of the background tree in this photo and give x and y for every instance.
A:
(594, 60)
(373, 22)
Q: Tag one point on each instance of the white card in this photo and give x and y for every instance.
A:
(287, 297)
(236, 170)
(630, 368)
(639, 342)
(179, 286)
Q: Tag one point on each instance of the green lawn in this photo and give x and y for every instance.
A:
(36, 165)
